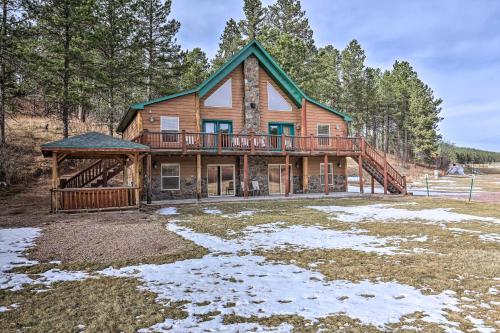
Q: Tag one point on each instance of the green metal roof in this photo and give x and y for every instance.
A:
(92, 141)
(268, 63)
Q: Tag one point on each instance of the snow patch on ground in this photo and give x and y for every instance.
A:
(212, 211)
(13, 242)
(168, 211)
(278, 235)
(387, 213)
(260, 288)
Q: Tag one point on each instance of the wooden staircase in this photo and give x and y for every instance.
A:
(377, 166)
(96, 174)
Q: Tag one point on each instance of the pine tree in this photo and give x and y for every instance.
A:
(254, 18)
(327, 86)
(194, 69)
(156, 35)
(13, 33)
(288, 17)
(59, 24)
(289, 38)
(231, 41)
(117, 58)
(353, 66)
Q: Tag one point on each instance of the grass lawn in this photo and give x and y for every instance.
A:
(349, 265)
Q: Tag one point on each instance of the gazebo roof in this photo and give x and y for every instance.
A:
(92, 142)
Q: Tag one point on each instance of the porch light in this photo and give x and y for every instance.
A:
(151, 119)
(339, 165)
(155, 165)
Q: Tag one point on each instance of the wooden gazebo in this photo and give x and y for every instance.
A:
(88, 189)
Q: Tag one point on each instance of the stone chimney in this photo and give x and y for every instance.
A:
(252, 112)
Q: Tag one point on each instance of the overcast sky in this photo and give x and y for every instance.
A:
(454, 45)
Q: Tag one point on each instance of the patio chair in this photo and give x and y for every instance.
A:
(255, 187)
(230, 188)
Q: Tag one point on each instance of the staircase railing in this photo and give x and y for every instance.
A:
(89, 174)
(398, 179)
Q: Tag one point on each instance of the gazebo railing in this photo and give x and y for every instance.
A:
(94, 199)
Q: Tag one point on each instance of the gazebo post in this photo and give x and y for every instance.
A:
(136, 178)
(55, 171)
(125, 171)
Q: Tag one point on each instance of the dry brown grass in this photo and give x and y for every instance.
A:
(102, 305)
(21, 161)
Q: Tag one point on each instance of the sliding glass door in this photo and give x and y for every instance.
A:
(277, 179)
(220, 180)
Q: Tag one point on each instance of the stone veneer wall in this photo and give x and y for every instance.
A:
(338, 184)
(252, 114)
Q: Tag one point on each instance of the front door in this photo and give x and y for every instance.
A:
(278, 129)
(212, 127)
(220, 180)
(277, 178)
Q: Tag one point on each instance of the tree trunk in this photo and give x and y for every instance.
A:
(2, 72)
(65, 104)
(111, 115)
(81, 113)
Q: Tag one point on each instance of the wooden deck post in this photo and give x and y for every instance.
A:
(283, 143)
(148, 179)
(198, 176)
(184, 143)
(404, 186)
(373, 185)
(245, 175)
(325, 174)
(385, 176)
(360, 174)
(305, 174)
(287, 175)
(219, 143)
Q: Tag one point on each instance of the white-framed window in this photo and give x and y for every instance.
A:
(323, 131)
(222, 97)
(322, 173)
(169, 126)
(170, 176)
(276, 102)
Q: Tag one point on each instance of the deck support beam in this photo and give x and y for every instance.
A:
(198, 176)
(148, 179)
(287, 175)
(360, 174)
(245, 176)
(325, 174)
(305, 174)
(373, 185)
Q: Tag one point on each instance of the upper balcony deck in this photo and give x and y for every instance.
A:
(256, 144)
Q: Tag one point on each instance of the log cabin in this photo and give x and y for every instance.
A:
(246, 130)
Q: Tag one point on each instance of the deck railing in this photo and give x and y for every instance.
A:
(93, 199)
(253, 143)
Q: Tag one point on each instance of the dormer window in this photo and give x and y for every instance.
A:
(276, 102)
(222, 97)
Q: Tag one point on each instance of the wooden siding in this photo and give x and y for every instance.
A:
(268, 116)
(316, 115)
(182, 107)
(134, 128)
(314, 165)
(235, 113)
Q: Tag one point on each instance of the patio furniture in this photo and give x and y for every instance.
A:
(255, 187)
